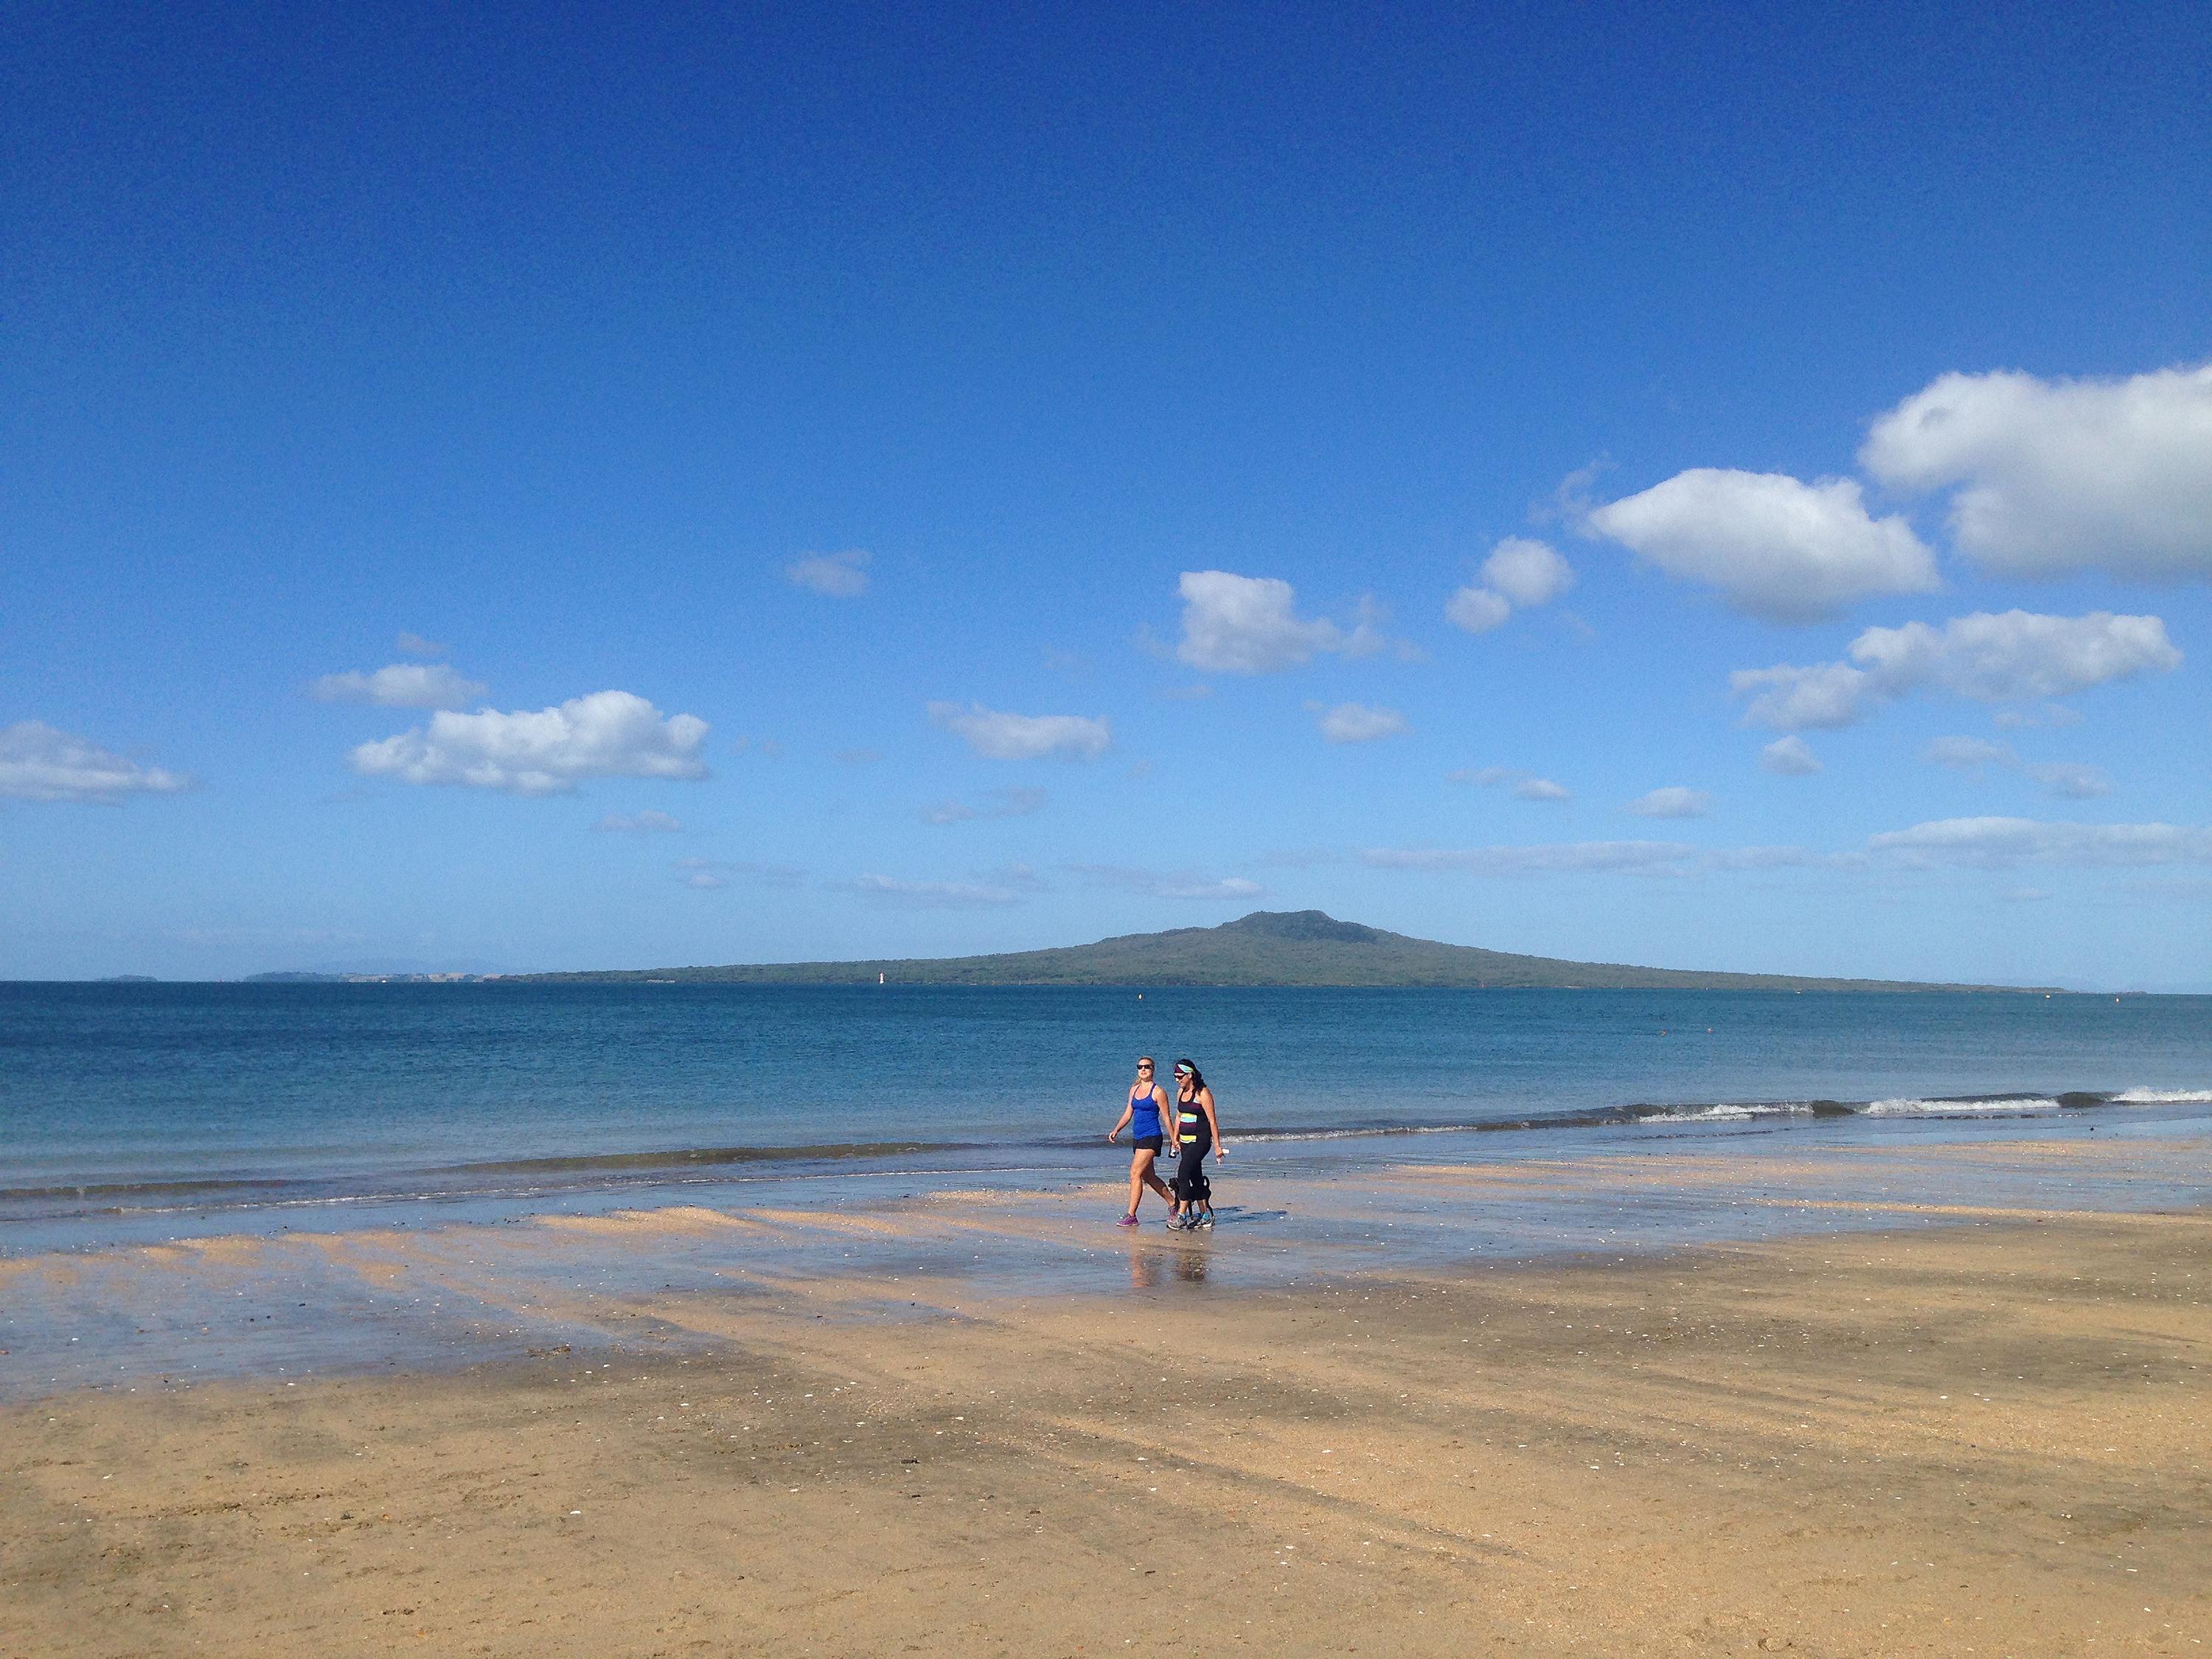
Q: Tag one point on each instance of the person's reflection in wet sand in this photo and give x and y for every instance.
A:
(1190, 1263)
(1144, 1267)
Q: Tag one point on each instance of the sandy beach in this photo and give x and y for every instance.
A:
(1990, 1435)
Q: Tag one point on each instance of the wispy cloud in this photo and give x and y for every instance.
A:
(1672, 802)
(1356, 722)
(1168, 884)
(717, 873)
(1792, 758)
(839, 575)
(648, 822)
(999, 736)
(2065, 780)
(414, 645)
(1524, 785)
(1012, 884)
(999, 804)
(401, 685)
(37, 762)
(1996, 843)
(1652, 858)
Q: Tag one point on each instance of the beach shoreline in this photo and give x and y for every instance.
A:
(1984, 1431)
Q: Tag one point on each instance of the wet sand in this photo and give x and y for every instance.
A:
(1990, 1434)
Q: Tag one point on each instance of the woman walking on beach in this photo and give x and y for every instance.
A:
(1197, 1130)
(1141, 1115)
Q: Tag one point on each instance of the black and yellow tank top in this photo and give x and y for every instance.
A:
(1190, 1123)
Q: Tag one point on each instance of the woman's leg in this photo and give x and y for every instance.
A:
(1141, 1163)
(1152, 1180)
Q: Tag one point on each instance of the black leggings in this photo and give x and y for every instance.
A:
(1191, 1186)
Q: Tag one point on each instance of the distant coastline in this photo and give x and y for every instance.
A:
(1286, 948)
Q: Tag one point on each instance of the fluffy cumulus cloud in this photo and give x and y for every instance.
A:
(37, 762)
(609, 734)
(1356, 722)
(1170, 883)
(841, 575)
(1792, 758)
(1672, 802)
(400, 685)
(1518, 572)
(1776, 547)
(2055, 476)
(1023, 737)
(2017, 655)
(1524, 785)
(999, 804)
(2005, 843)
(1235, 624)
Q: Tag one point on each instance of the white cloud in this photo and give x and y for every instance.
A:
(1023, 737)
(1989, 658)
(1518, 572)
(1526, 786)
(1477, 610)
(1672, 802)
(1776, 547)
(2066, 779)
(1528, 572)
(1792, 758)
(1656, 858)
(2051, 714)
(717, 871)
(2069, 780)
(2003, 843)
(400, 685)
(37, 762)
(2054, 476)
(639, 823)
(1968, 754)
(841, 575)
(1236, 624)
(1356, 722)
(414, 645)
(1170, 884)
(608, 734)
(1000, 804)
(1009, 886)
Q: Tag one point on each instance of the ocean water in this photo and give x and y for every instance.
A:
(125, 1109)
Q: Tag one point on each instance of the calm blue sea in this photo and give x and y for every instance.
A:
(192, 1099)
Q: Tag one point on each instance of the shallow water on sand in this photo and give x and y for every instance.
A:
(134, 1112)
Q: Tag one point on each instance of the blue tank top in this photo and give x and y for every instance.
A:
(1144, 1115)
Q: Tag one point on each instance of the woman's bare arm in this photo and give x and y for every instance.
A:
(1128, 1110)
(1205, 1103)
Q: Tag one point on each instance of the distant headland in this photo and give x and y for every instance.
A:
(1268, 947)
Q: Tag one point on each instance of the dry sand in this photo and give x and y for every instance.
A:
(1990, 1437)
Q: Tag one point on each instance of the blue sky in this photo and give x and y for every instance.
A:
(522, 489)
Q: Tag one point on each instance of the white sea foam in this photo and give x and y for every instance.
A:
(2164, 1097)
(1910, 1107)
(1728, 1112)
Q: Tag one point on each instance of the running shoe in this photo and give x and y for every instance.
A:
(1204, 1220)
(1129, 1220)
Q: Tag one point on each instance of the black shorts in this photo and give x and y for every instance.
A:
(1149, 1143)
